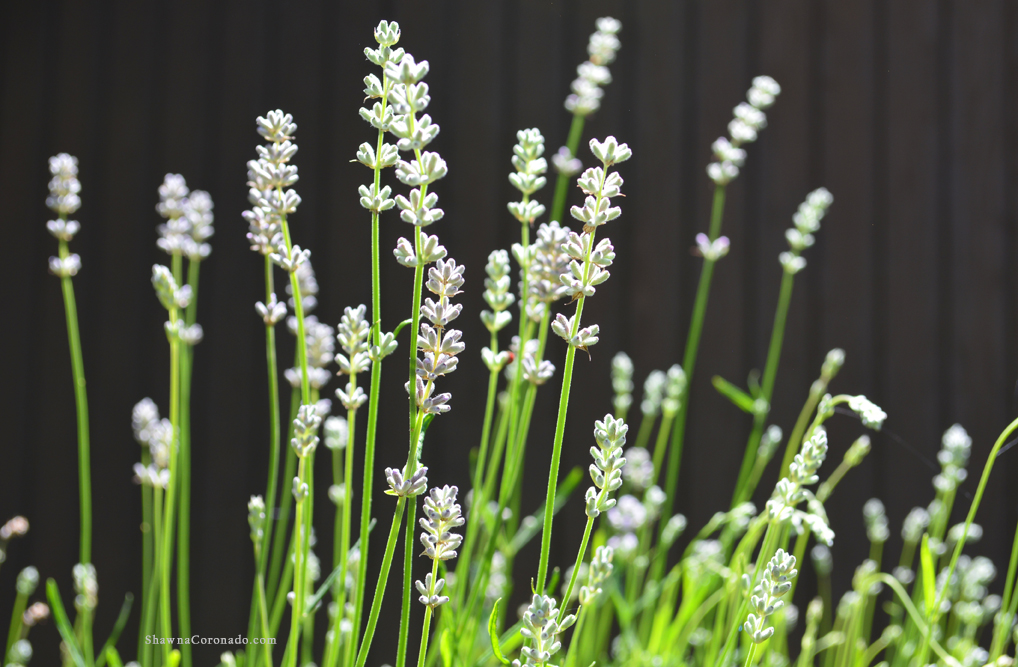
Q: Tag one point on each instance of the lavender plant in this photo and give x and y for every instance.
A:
(630, 597)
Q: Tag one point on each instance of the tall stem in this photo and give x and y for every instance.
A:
(166, 560)
(184, 467)
(272, 484)
(426, 630)
(742, 490)
(81, 409)
(558, 205)
(383, 577)
(689, 364)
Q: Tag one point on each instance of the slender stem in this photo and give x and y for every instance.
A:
(376, 375)
(272, 484)
(934, 613)
(799, 430)
(264, 617)
(742, 490)
(558, 205)
(750, 654)
(184, 468)
(563, 408)
(166, 561)
(383, 577)
(576, 568)
(1002, 625)
(14, 633)
(81, 409)
(149, 614)
(282, 545)
(426, 630)
(689, 364)
(147, 552)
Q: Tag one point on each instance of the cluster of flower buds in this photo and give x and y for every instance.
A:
(439, 344)
(599, 571)
(498, 297)
(956, 447)
(28, 581)
(353, 339)
(307, 286)
(712, 250)
(534, 371)
(653, 393)
(156, 434)
(606, 471)
(15, 527)
(402, 485)
(188, 219)
(790, 491)
(63, 199)
(749, 119)
(529, 176)
(875, 517)
(541, 627)
(547, 262)
(320, 345)
(868, 411)
(776, 581)
(675, 388)
(589, 265)
(639, 470)
(35, 614)
(592, 74)
(270, 194)
(374, 197)
(305, 430)
(441, 514)
(64, 186)
(622, 383)
(628, 516)
(19, 654)
(256, 520)
(806, 223)
(409, 96)
(86, 585)
(769, 442)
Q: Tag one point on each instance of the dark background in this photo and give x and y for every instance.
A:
(904, 110)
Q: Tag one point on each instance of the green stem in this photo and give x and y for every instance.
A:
(558, 205)
(150, 612)
(426, 630)
(147, 552)
(742, 490)
(272, 484)
(689, 363)
(184, 468)
(934, 614)
(376, 375)
(1002, 625)
(264, 617)
(14, 634)
(282, 545)
(576, 568)
(799, 430)
(81, 409)
(166, 561)
(383, 577)
(563, 408)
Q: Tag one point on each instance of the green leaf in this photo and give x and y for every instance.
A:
(493, 633)
(400, 327)
(118, 627)
(738, 397)
(929, 578)
(63, 625)
(174, 658)
(110, 655)
(445, 648)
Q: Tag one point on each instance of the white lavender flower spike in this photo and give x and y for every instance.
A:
(441, 514)
(63, 230)
(606, 471)
(598, 573)
(65, 267)
(748, 120)
(272, 312)
(592, 74)
(430, 590)
(870, 414)
(337, 433)
(542, 629)
(64, 186)
(776, 581)
(305, 430)
(496, 292)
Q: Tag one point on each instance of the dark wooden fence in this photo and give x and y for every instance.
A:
(904, 110)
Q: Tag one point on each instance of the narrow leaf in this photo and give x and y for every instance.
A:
(445, 648)
(929, 578)
(110, 655)
(738, 397)
(63, 625)
(118, 627)
(493, 633)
